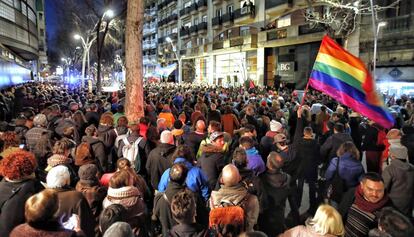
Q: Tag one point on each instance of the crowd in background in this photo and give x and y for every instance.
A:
(203, 161)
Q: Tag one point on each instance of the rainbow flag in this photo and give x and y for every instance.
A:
(344, 77)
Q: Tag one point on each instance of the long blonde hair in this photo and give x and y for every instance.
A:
(326, 221)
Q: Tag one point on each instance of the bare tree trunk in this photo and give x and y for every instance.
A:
(134, 98)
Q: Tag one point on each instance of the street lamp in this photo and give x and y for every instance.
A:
(374, 63)
(169, 40)
(87, 43)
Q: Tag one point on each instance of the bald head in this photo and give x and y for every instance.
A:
(200, 126)
(167, 137)
(394, 134)
(230, 176)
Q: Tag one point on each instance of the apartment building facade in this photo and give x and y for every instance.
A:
(227, 42)
(150, 39)
(395, 51)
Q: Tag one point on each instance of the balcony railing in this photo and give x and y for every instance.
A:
(166, 3)
(398, 23)
(202, 27)
(185, 11)
(215, 2)
(228, 17)
(149, 45)
(202, 5)
(193, 29)
(276, 34)
(172, 18)
(307, 29)
(274, 3)
(218, 45)
(217, 21)
(184, 31)
(193, 8)
(150, 30)
(173, 36)
(245, 11)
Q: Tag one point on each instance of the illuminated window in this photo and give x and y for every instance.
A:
(283, 21)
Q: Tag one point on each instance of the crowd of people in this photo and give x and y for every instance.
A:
(203, 161)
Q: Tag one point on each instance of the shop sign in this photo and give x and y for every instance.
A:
(286, 69)
(395, 73)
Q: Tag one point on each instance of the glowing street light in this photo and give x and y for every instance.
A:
(169, 40)
(374, 63)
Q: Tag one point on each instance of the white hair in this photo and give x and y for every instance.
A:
(167, 137)
(58, 177)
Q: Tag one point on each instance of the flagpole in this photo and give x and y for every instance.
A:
(304, 94)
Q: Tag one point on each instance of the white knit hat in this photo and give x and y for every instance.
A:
(275, 126)
(58, 177)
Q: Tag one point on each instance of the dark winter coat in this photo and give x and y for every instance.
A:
(188, 230)
(211, 162)
(13, 196)
(92, 118)
(369, 143)
(158, 161)
(399, 183)
(193, 140)
(331, 145)
(276, 184)
(407, 140)
(94, 195)
(98, 149)
(307, 154)
(107, 135)
(267, 144)
(73, 202)
(162, 206)
(214, 115)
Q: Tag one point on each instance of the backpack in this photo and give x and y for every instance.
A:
(130, 151)
(228, 216)
(120, 137)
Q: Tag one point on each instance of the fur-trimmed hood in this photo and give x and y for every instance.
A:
(209, 148)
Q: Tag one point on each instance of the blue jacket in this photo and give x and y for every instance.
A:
(255, 161)
(350, 169)
(196, 180)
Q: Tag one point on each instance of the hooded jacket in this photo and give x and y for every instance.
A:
(238, 195)
(350, 170)
(98, 149)
(255, 161)
(162, 205)
(399, 182)
(276, 186)
(188, 230)
(159, 159)
(196, 180)
(211, 163)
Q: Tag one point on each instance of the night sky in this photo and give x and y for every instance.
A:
(51, 22)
